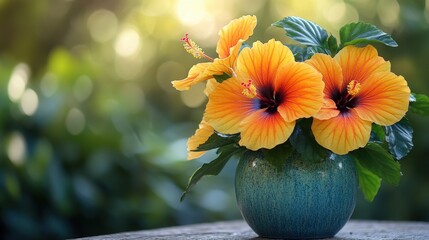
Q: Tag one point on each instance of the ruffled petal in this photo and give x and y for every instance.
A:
(343, 133)
(301, 88)
(359, 63)
(227, 107)
(193, 77)
(262, 130)
(328, 110)
(231, 34)
(261, 62)
(330, 70)
(201, 135)
(210, 86)
(383, 98)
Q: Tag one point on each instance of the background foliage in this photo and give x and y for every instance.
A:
(92, 135)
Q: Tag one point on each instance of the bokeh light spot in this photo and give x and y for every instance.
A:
(128, 43)
(335, 12)
(49, 84)
(29, 102)
(388, 12)
(75, 121)
(102, 25)
(16, 148)
(18, 82)
(82, 88)
(191, 12)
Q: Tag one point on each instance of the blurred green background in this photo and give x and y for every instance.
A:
(93, 136)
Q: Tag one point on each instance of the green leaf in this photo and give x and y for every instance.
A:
(419, 103)
(379, 161)
(278, 155)
(298, 52)
(369, 183)
(217, 140)
(303, 31)
(221, 78)
(399, 137)
(332, 45)
(364, 33)
(303, 141)
(377, 133)
(212, 168)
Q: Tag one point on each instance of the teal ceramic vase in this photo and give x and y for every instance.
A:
(297, 199)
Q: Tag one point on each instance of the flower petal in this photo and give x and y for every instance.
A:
(231, 34)
(261, 62)
(262, 130)
(220, 66)
(227, 107)
(302, 89)
(201, 135)
(358, 63)
(193, 77)
(343, 133)
(383, 98)
(328, 110)
(210, 86)
(331, 71)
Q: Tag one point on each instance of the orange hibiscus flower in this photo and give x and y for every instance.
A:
(268, 93)
(359, 90)
(231, 38)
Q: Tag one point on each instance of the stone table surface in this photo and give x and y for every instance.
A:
(354, 229)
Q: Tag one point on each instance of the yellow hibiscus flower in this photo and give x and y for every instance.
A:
(359, 90)
(268, 93)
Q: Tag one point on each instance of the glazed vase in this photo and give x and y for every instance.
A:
(296, 199)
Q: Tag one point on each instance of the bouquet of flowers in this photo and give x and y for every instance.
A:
(318, 97)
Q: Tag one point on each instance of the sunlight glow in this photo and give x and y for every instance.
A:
(102, 25)
(128, 43)
(29, 102)
(16, 148)
(191, 12)
(18, 82)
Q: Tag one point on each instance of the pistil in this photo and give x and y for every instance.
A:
(192, 48)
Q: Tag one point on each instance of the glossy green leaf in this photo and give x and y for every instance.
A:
(298, 52)
(377, 133)
(419, 103)
(303, 141)
(332, 45)
(364, 33)
(212, 168)
(221, 78)
(369, 183)
(217, 140)
(379, 161)
(303, 31)
(399, 137)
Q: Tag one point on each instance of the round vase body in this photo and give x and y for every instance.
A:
(296, 199)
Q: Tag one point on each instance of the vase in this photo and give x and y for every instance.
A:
(296, 199)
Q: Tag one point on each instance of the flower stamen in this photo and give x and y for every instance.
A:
(353, 88)
(249, 89)
(192, 48)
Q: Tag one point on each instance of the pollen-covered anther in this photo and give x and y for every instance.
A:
(249, 89)
(353, 87)
(192, 48)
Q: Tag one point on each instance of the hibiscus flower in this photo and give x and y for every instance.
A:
(359, 90)
(231, 38)
(267, 94)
